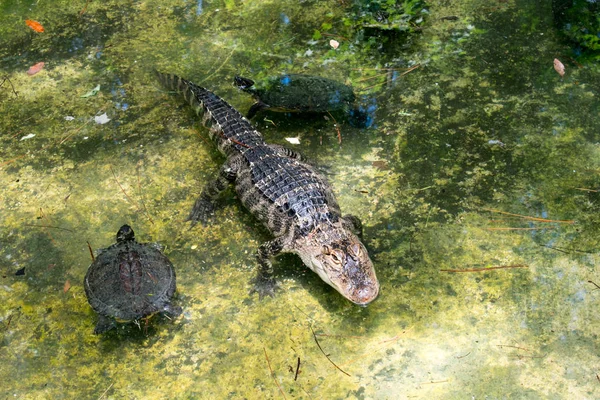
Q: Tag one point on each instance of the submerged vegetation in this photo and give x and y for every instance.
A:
(479, 157)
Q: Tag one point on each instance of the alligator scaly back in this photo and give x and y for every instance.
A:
(227, 127)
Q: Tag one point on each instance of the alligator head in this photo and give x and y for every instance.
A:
(342, 261)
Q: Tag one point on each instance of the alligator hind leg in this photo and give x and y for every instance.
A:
(205, 204)
(264, 284)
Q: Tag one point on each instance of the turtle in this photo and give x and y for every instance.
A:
(297, 93)
(128, 281)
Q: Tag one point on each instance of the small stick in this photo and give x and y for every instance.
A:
(11, 85)
(459, 357)
(411, 69)
(123, 190)
(91, 252)
(297, 370)
(517, 229)
(513, 347)
(339, 132)
(83, 11)
(320, 348)
(107, 389)
(568, 252)
(50, 226)
(141, 194)
(588, 190)
(272, 374)
(530, 218)
(597, 287)
(484, 269)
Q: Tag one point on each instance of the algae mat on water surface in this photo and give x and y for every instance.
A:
(479, 158)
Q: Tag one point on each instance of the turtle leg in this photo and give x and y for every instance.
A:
(205, 204)
(264, 284)
(104, 324)
(172, 311)
(256, 107)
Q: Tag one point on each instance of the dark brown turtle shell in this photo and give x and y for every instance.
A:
(128, 281)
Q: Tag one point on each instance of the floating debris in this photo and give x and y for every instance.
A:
(101, 119)
(20, 272)
(293, 140)
(27, 136)
(92, 92)
(36, 26)
(34, 69)
(69, 118)
(381, 165)
(67, 286)
(334, 43)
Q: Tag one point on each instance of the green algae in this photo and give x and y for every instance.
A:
(483, 128)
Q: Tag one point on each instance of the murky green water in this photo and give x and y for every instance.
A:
(482, 159)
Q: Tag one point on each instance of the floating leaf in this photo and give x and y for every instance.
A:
(334, 43)
(67, 286)
(92, 92)
(34, 69)
(36, 26)
(559, 67)
(28, 136)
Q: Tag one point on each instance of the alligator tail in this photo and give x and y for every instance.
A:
(227, 127)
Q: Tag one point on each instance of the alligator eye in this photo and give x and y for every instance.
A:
(325, 250)
(355, 249)
(337, 256)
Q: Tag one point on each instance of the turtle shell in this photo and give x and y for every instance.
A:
(128, 281)
(298, 93)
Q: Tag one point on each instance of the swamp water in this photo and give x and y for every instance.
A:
(476, 174)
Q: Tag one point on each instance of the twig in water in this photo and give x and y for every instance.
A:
(320, 348)
(272, 374)
(337, 128)
(141, 194)
(297, 369)
(122, 190)
(485, 268)
(11, 85)
(597, 287)
(518, 229)
(91, 252)
(50, 226)
(411, 69)
(107, 389)
(530, 218)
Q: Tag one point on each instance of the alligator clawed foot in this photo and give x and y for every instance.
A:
(264, 286)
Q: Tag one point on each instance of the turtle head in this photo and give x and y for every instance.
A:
(125, 233)
(243, 83)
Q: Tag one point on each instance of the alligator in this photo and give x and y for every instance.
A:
(286, 194)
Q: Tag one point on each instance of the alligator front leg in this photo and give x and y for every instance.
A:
(354, 224)
(264, 284)
(205, 204)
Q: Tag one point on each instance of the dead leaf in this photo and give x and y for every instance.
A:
(67, 286)
(559, 67)
(381, 165)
